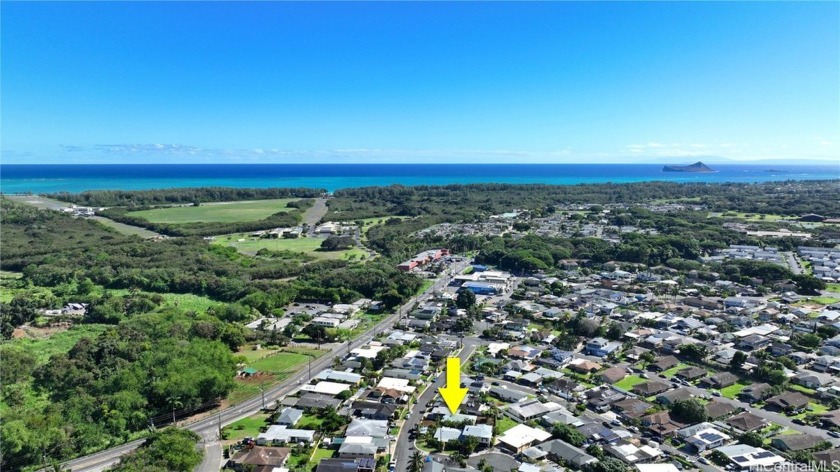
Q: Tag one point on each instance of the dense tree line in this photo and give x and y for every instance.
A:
(476, 200)
(167, 450)
(140, 198)
(105, 390)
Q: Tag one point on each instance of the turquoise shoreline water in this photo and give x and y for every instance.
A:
(77, 178)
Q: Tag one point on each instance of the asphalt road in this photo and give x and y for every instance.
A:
(402, 451)
(210, 426)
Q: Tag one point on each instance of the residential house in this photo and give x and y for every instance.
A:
(717, 410)
(754, 342)
(668, 398)
(601, 347)
(338, 465)
(374, 410)
(650, 388)
(719, 380)
(260, 457)
(631, 454)
(795, 442)
(584, 366)
(277, 435)
(661, 424)
(289, 417)
(813, 380)
(690, 373)
(612, 375)
(789, 402)
(631, 408)
(601, 399)
(830, 419)
(746, 422)
(520, 437)
(756, 392)
(561, 451)
(357, 449)
(483, 432)
(663, 363)
(707, 438)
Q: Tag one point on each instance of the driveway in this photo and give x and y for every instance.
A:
(403, 443)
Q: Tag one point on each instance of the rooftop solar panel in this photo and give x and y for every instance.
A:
(740, 459)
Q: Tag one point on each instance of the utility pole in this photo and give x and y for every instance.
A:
(220, 424)
(310, 367)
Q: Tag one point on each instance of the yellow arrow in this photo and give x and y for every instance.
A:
(453, 394)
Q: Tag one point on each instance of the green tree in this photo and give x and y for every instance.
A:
(696, 351)
(738, 360)
(689, 411)
(465, 299)
(169, 449)
(415, 462)
(752, 439)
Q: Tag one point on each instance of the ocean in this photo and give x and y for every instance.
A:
(19, 178)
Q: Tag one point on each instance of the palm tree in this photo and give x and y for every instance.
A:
(415, 462)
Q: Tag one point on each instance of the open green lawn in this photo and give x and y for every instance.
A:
(753, 216)
(832, 287)
(321, 454)
(505, 423)
(427, 283)
(242, 391)
(219, 212)
(813, 408)
(824, 300)
(800, 388)
(59, 342)
(732, 391)
(280, 362)
(673, 370)
(247, 427)
(309, 422)
(629, 382)
(309, 246)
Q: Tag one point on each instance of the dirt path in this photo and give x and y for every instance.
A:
(50, 204)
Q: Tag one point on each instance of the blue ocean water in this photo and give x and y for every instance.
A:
(16, 178)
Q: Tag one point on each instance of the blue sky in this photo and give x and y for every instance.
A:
(419, 82)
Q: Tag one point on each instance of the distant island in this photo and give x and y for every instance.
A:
(696, 167)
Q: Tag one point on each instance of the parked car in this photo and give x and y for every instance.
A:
(834, 434)
(703, 460)
(716, 393)
(494, 383)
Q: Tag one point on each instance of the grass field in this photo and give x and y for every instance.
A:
(221, 212)
(813, 408)
(309, 246)
(59, 342)
(321, 454)
(731, 392)
(309, 422)
(186, 301)
(753, 216)
(629, 382)
(824, 300)
(505, 424)
(800, 388)
(247, 427)
(833, 287)
(425, 286)
(281, 362)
